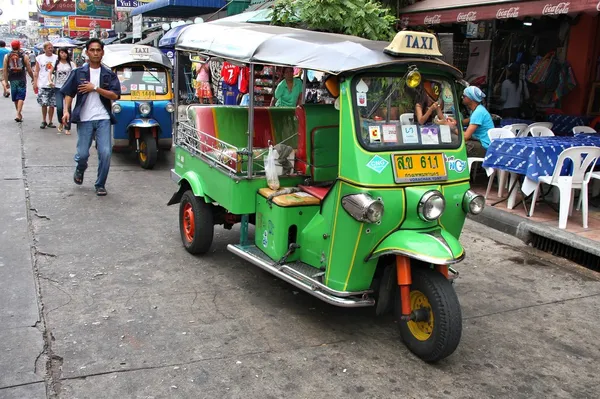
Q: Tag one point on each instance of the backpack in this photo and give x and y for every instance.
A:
(16, 64)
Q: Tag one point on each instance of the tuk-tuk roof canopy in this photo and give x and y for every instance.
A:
(121, 54)
(275, 45)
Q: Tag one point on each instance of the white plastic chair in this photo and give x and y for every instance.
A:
(516, 128)
(493, 134)
(541, 131)
(583, 129)
(525, 132)
(407, 119)
(583, 160)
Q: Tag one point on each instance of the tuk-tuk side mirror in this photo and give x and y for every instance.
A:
(332, 84)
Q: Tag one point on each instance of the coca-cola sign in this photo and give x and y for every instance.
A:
(556, 9)
(466, 16)
(504, 13)
(598, 6)
(432, 19)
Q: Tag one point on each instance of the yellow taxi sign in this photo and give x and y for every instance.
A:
(413, 43)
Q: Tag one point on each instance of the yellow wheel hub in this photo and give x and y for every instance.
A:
(421, 330)
(143, 150)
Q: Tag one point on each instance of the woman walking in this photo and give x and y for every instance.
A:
(58, 76)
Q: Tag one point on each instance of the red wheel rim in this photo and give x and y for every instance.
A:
(188, 222)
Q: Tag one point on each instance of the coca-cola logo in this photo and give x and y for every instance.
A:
(432, 19)
(504, 13)
(560, 8)
(466, 16)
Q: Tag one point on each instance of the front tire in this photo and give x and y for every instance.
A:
(438, 336)
(148, 152)
(196, 223)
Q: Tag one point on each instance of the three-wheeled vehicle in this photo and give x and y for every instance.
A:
(145, 110)
(373, 211)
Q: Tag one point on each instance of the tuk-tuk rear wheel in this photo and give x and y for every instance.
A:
(148, 152)
(436, 328)
(196, 223)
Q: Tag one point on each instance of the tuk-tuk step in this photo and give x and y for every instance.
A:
(301, 276)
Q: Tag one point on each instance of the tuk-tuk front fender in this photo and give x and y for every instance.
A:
(143, 122)
(435, 246)
(189, 181)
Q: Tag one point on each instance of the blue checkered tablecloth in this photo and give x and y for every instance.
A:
(533, 156)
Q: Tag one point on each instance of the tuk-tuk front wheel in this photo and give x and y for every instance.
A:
(195, 223)
(148, 151)
(435, 328)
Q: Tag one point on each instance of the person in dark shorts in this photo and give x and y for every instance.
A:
(16, 64)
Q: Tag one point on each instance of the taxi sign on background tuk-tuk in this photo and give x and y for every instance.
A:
(378, 226)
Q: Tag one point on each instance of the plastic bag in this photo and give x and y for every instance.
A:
(271, 169)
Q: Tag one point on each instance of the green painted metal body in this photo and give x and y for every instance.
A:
(327, 235)
(277, 227)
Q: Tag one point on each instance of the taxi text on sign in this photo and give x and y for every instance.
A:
(414, 43)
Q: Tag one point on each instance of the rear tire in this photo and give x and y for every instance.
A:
(438, 337)
(148, 152)
(196, 223)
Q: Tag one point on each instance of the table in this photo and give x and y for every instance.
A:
(531, 157)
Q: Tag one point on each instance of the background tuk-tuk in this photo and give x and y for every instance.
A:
(145, 110)
(371, 211)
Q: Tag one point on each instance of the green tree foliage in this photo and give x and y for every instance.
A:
(364, 18)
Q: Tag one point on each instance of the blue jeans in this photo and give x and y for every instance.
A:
(85, 133)
(60, 106)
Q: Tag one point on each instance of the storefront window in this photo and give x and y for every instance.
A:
(392, 116)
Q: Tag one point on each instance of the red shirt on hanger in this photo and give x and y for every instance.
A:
(230, 73)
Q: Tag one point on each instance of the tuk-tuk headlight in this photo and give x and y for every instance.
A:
(431, 206)
(473, 202)
(116, 108)
(363, 207)
(170, 108)
(145, 109)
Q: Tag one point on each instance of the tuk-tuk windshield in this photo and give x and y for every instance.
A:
(142, 78)
(391, 116)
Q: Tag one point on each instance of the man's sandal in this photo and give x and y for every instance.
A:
(78, 177)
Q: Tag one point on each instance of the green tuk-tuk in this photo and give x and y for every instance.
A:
(372, 210)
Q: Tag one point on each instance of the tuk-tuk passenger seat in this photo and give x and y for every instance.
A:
(318, 142)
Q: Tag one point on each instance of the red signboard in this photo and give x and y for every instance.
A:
(81, 26)
(499, 11)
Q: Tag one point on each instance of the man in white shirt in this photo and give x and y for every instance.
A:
(46, 96)
(96, 88)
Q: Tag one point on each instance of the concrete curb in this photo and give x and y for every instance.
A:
(523, 229)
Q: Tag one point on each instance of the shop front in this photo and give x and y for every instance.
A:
(552, 46)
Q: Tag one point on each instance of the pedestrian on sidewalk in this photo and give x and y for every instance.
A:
(58, 76)
(96, 88)
(46, 97)
(15, 65)
(3, 53)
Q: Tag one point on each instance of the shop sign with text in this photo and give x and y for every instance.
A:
(93, 8)
(128, 5)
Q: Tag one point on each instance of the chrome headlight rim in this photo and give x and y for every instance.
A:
(170, 108)
(145, 109)
(422, 211)
(471, 200)
(363, 207)
(116, 108)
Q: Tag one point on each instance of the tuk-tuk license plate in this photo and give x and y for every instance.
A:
(143, 94)
(419, 168)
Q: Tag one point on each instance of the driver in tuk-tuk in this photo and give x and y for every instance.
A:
(428, 105)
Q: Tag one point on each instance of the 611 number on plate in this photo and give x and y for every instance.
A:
(416, 168)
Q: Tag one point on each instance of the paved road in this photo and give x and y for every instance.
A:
(127, 313)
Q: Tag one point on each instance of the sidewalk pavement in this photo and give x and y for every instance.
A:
(21, 337)
(544, 221)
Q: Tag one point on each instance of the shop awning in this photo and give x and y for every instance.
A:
(178, 8)
(433, 12)
(170, 38)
